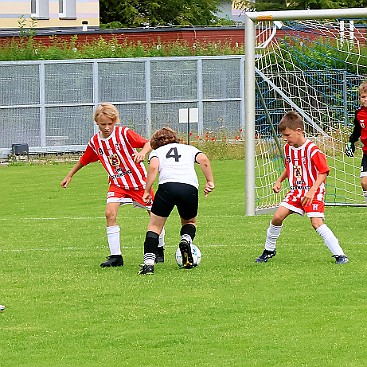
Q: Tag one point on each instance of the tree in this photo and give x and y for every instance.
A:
(135, 13)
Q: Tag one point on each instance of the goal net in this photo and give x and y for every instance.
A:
(313, 67)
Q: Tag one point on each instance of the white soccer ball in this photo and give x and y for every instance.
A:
(196, 256)
(2, 308)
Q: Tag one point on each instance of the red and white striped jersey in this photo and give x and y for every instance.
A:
(303, 165)
(116, 153)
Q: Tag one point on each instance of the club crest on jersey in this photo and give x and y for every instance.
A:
(114, 160)
(297, 171)
(362, 124)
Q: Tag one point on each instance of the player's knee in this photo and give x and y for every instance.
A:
(277, 221)
(110, 215)
(317, 222)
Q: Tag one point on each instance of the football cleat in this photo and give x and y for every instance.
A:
(341, 259)
(265, 256)
(185, 248)
(146, 270)
(113, 260)
(159, 255)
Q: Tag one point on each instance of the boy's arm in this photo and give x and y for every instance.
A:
(307, 199)
(350, 148)
(140, 156)
(278, 184)
(204, 162)
(151, 176)
(356, 131)
(65, 182)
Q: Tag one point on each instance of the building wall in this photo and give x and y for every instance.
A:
(233, 36)
(85, 10)
(228, 11)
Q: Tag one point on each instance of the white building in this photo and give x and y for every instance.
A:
(49, 13)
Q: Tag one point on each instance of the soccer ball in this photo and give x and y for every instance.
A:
(196, 256)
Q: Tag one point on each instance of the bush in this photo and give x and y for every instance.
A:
(27, 48)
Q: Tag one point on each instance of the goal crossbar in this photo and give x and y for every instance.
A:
(307, 14)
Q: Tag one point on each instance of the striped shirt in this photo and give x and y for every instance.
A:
(116, 154)
(303, 165)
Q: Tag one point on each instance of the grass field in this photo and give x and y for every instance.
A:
(300, 309)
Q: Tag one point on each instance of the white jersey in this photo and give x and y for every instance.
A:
(176, 163)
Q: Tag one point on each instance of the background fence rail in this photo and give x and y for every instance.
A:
(49, 104)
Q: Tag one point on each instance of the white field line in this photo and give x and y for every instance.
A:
(213, 245)
(57, 248)
(51, 218)
(84, 218)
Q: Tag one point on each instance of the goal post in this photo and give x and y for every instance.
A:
(309, 61)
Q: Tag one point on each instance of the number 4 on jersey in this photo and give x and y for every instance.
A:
(173, 153)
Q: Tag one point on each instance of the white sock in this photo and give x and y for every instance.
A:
(149, 259)
(272, 235)
(161, 238)
(113, 238)
(365, 196)
(330, 240)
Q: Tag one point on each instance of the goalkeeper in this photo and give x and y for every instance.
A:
(360, 131)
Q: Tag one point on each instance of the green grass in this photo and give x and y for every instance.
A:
(300, 309)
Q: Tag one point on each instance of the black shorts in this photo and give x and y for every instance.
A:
(364, 166)
(171, 194)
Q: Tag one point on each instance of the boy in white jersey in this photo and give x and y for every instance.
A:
(306, 170)
(178, 186)
(115, 147)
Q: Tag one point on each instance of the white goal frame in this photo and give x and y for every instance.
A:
(250, 82)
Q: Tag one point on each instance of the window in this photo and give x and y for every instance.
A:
(40, 9)
(67, 9)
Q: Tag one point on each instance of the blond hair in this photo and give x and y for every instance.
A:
(106, 109)
(162, 137)
(363, 87)
(292, 120)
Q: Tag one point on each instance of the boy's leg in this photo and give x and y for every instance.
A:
(187, 232)
(155, 226)
(364, 186)
(330, 240)
(159, 256)
(272, 234)
(113, 236)
(150, 248)
(364, 176)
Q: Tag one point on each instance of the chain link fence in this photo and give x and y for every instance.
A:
(49, 104)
